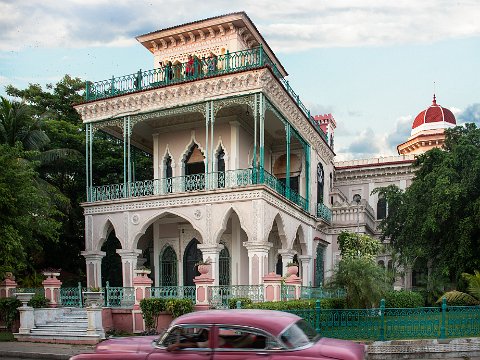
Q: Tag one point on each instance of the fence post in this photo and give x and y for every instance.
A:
(87, 89)
(382, 320)
(107, 300)
(261, 55)
(112, 86)
(318, 309)
(444, 316)
(80, 295)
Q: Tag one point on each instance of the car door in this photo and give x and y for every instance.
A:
(242, 343)
(184, 334)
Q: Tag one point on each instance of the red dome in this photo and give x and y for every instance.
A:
(434, 114)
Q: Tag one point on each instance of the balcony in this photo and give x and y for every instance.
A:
(183, 72)
(192, 183)
(324, 213)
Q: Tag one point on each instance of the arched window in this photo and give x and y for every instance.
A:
(224, 266)
(331, 181)
(320, 183)
(381, 208)
(381, 263)
(319, 265)
(168, 267)
(168, 173)
(221, 168)
(195, 167)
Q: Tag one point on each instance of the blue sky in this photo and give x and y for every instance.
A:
(371, 63)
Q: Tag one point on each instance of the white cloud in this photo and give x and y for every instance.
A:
(287, 25)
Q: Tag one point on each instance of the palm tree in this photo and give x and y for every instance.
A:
(470, 298)
(16, 124)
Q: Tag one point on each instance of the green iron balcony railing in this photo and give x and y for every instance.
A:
(324, 213)
(199, 69)
(193, 183)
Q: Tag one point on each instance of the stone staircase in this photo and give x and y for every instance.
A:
(64, 326)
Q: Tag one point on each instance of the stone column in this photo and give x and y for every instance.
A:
(257, 261)
(287, 257)
(52, 288)
(142, 284)
(272, 284)
(211, 253)
(305, 261)
(202, 283)
(129, 263)
(93, 261)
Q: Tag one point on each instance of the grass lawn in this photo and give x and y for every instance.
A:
(6, 336)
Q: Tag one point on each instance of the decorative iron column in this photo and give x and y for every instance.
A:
(127, 166)
(287, 179)
(262, 134)
(88, 160)
(255, 121)
(208, 118)
(307, 178)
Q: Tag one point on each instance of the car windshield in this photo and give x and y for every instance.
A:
(299, 334)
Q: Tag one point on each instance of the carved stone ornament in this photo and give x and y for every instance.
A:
(197, 214)
(135, 219)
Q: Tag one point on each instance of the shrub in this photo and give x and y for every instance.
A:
(151, 309)
(457, 298)
(8, 311)
(232, 303)
(178, 307)
(38, 301)
(334, 303)
(403, 299)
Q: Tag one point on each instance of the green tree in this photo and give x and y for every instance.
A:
(438, 216)
(462, 298)
(357, 271)
(28, 217)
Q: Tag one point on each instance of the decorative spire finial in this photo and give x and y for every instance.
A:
(434, 97)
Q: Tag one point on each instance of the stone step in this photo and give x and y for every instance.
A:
(60, 338)
(67, 326)
(58, 332)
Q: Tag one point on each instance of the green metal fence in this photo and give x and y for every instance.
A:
(219, 295)
(394, 324)
(174, 292)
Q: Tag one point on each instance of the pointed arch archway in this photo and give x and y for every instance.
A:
(168, 267)
(191, 257)
(224, 264)
(111, 268)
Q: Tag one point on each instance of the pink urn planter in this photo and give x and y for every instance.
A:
(203, 269)
(292, 270)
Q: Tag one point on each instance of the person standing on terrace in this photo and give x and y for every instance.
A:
(189, 68)
(212, 63)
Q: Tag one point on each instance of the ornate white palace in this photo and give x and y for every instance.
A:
(243, 175)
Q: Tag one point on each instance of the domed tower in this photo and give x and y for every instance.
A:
(428, 129)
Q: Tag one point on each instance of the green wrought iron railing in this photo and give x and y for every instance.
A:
(287, 292)
(310, 292)
(323, 212)
(199, 69)
(394, 324)
(219, 295)
(197, 182)
(174, 292)
(72, 296)
(118, 296)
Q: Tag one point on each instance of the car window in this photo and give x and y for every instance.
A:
(232, 337)
(298, 335)
(196, 335)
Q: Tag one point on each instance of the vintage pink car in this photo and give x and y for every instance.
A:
(230, 335)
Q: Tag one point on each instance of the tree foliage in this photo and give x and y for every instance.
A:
(438, 215)
(358, 273)
(28, 216)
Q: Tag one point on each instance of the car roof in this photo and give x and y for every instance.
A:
(272, 321)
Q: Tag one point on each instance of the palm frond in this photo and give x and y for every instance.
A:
(49, 156)
(35, 139)
(473, 283)
(457, 297)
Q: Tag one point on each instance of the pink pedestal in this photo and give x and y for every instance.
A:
(7, 287)
(297, 282)
(272, 286)
(202, 283)
(142, 284)
(52, 288)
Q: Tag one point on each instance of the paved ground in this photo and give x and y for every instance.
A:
(27, 350)
(457, 349)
